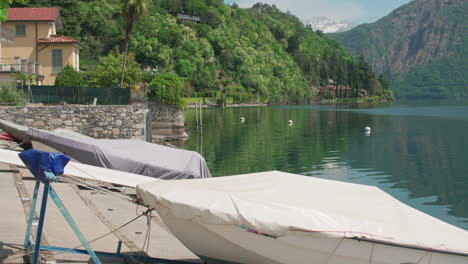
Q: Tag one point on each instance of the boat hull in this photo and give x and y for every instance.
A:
(18, 132)
(232, 244)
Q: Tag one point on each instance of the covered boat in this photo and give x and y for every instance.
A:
(86, 172)
(17, 132)
(129, 155)
(276, 217)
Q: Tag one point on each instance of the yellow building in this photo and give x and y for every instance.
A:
(36, 48)
(6, 36)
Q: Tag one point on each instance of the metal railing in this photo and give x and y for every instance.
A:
(6, 34)
(80, 95)
(19, 65)
(188, 17)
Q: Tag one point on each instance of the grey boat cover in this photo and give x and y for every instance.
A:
(129, 155)
(15, 130)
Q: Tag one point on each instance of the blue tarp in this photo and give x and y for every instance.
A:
(38, 161)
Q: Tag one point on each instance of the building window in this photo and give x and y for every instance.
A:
(56, 60)
(20, 30)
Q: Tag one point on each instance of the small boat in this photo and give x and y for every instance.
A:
(86, 172)
(277, 217)
(129, 155)
(17, 132)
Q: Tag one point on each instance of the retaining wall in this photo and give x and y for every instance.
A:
(167, 121)
(100, 121)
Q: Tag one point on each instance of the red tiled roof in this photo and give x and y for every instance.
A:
(57, 39)
(33, 14)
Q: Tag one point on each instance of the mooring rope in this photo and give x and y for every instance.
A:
(372, 252)
(22, 256)
(92, 241)
(94, 187)
(334, 251)
(108, 233)
(146, 242)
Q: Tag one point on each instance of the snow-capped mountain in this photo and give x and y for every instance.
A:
(327, 25)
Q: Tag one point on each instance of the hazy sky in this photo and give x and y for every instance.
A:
(356, 11)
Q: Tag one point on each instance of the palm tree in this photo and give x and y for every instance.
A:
(132, 10)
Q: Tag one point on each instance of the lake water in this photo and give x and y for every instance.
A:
(416, 152)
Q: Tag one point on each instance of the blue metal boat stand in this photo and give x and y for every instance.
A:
(49, 191)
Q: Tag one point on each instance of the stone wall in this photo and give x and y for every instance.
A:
(167, 121)
(101, 121)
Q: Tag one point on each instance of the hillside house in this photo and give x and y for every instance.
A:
(188, 18)
(35, 47)
(6, 69)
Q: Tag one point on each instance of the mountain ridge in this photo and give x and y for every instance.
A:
(407, 43)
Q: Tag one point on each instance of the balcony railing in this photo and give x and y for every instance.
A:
(6, 34)
(17, 65)
(188, 17)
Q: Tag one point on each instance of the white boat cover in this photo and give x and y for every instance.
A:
(129, 155)
(275, 203)
(86, 172)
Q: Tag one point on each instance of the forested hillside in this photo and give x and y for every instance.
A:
(256, 54)
(422, 46)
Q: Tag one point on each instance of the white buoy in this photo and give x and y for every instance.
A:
(242, 119)
(367, 129)
(290, 121)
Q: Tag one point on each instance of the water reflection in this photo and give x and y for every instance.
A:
(417, 158)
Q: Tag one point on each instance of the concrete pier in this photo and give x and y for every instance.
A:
(95, 214)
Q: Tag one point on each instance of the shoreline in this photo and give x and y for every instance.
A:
(192, 106)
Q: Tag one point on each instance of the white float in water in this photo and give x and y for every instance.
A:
(242, 119)
(367, 129)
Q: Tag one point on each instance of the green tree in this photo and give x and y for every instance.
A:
(5, 4)
(353, 79)
(10, 95)
(132, 10)
(170, 34)
(268, 52)
(69, 77)
(324, 73)
(384, 82)
(374, 86)
(294, 42)
(172, 6)
(341, 78)
(108, 71)
(167, 88)
(212, 18)
(25, 78)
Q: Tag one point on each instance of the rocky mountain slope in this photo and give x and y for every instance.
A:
(423, 45)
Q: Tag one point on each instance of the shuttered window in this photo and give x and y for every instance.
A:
(56, 60)
(20, 30)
